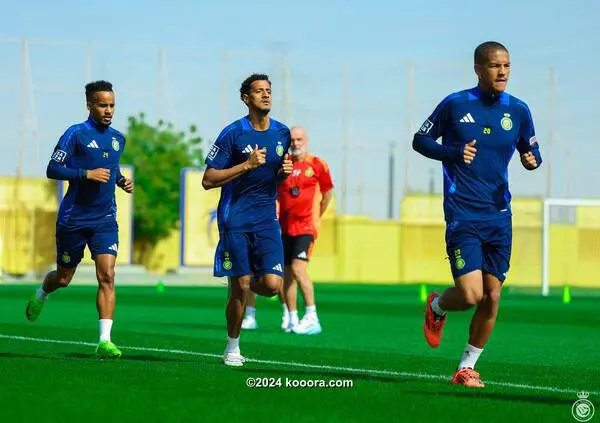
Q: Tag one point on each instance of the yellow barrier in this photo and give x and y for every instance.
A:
(574, 249)
(198, 216)
(349, 249)
(28, 221)
(161, 258)
(27, 215)
(355, 249)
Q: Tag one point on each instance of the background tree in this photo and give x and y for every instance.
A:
(157, 154)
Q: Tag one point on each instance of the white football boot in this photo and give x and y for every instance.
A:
(286, 323)
(233, 359)
(249, 323)
(309, 325)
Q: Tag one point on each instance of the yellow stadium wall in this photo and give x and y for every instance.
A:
(27, 219)
(412, 250)
(28, 209)
(163, 257)
(423, 245)
(357, 249)
(349, 249)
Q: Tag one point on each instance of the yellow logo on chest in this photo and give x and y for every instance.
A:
(506, 122)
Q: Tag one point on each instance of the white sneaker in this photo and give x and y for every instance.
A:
(286, 323)
(249, 323)
(307, 326)
(233, 359)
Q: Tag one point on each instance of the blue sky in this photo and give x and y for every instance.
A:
(339, 67)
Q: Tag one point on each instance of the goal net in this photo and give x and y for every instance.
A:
(570, 244)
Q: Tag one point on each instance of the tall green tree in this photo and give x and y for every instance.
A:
(157, 154)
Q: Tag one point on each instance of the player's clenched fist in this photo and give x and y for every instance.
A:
(126, 185)
(469, 152)
(528, 160)
(99, 175)
(257, 157)
(287, 166)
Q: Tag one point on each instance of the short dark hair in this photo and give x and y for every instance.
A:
(96, 86)
(245, 88)
(483, 49)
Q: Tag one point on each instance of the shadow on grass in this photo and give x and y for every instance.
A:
(291, 373)
(129, 357)
(534, 398)
(189, 325)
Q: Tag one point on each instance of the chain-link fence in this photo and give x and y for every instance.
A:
(360, 112)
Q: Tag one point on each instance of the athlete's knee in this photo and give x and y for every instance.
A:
(63, 282)
(298, 269)
(492, 289)
(472, 296)
(244, 284)
(106, 276)
(272, 286)
(271, 291)
(239, 286)
(62, 276)
(492, 296)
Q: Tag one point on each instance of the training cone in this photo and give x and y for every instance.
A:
(160, 287)
(566, 294)
(423, 293)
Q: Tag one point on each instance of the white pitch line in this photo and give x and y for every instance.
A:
(306, 365)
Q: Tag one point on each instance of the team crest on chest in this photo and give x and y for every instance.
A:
(506, 122)
(279, 149)
(309, 172)
(115, 144)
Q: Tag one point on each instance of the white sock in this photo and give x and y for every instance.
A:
(41, 294)
(105, 327)
(286, 312)
(435, 306)
(311, 312)
(251, 311)
(233, 345)
(470, 357)
(294, 317)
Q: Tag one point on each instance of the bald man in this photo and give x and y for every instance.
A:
(303, 198)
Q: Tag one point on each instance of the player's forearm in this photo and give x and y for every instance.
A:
(63, 173)
(431, 149)
(325, 202)
(215, 178)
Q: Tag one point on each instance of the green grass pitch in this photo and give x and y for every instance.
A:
(541, 354)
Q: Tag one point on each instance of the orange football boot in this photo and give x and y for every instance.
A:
(467, 377)
(433, 323)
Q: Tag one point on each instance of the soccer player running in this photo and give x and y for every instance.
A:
(87, 155)
(247, 161)
(480, 129)
(297, 197)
